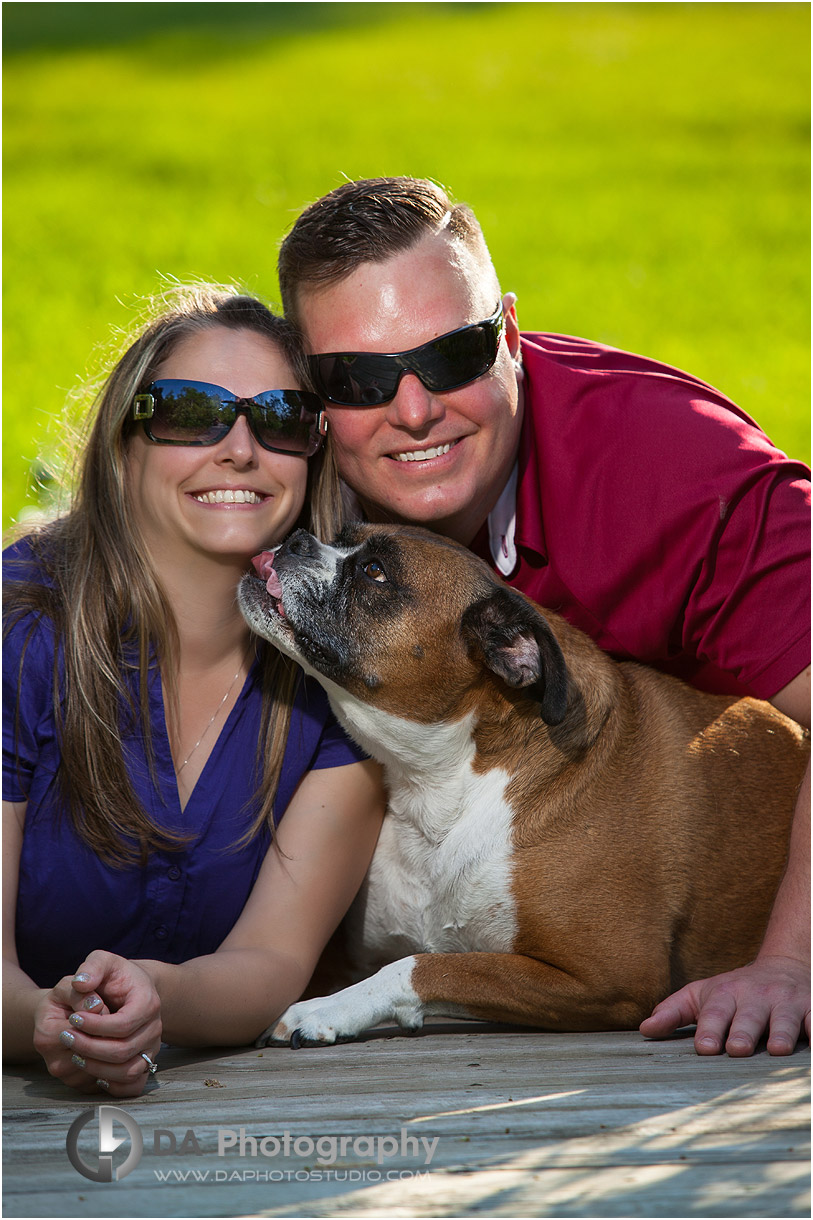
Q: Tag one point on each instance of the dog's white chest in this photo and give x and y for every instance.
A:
(440, 880)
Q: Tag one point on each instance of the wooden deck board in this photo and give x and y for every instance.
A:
(525, 1124)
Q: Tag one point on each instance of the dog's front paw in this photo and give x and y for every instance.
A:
(312, 1022)
(387, 996)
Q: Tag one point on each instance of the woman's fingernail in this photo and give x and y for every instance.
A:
(78, 1060)
(81, 978)
(67, 1038)
(92, 1001)
(103, 1084)
(76, 1019)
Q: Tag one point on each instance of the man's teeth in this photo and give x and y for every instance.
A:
(422, 455)
(228, 496)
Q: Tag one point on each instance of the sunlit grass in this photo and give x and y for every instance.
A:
(641, 171)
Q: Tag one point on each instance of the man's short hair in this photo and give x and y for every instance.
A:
(368, 221)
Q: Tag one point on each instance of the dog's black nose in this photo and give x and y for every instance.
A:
(300, 543)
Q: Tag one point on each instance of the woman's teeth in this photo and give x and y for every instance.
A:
(423, 455)
(228, 496)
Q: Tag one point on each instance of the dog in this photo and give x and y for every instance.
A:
(568, 838)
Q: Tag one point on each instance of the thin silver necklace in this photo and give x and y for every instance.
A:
(178, 770)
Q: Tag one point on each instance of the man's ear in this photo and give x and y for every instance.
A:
(518, 645)
(509, 305)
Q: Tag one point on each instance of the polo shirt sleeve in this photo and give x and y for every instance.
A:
(748, 611)
(681, 533)
(28, 652)
(713, 525)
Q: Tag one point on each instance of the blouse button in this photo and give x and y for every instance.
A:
(174, 873)
(161, 932)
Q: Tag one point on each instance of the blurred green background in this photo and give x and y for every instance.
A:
(641, 172)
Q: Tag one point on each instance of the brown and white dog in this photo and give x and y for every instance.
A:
(568, 838)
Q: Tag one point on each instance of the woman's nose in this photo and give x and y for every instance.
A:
(239, 445)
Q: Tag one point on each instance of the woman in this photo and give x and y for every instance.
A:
(152, 744)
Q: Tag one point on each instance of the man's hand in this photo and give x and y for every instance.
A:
(734, 1011)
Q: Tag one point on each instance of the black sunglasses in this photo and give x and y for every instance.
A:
(177, 412)
(365, 379)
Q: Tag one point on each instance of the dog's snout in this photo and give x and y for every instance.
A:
(301, 543)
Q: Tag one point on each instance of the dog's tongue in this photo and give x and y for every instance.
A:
(264, 566)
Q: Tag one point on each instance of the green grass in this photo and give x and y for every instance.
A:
(641, 171)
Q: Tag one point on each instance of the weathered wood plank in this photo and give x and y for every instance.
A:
(520, 1123)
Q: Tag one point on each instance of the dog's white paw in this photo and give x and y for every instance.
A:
(319, 1021)
(386, 996)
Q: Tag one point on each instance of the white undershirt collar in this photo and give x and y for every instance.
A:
(502, 521)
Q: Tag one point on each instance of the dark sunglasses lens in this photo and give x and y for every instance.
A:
(364, 379)
(361, 379)
(189, 415)
(458, 358)
(285, 421)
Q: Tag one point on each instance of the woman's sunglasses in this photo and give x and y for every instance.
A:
(365, 379)
(176, 412)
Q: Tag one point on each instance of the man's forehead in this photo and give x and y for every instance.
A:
(435, 285)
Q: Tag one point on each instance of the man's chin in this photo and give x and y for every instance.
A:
(443, 515)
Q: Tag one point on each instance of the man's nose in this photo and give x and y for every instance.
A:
(414, 407)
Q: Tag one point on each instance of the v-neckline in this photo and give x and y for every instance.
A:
(170, 776)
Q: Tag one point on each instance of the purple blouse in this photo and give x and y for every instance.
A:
(181, 904)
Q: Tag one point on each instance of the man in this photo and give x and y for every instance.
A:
(631, 497)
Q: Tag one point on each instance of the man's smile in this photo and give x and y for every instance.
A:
(423, 455)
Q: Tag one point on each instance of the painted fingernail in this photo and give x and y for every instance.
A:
(92, 1001)
(81, 978)
(67, 1038)
(103, 1084)
(76, 1019)
(78, 1060)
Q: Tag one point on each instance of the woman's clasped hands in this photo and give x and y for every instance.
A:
(100, 1030)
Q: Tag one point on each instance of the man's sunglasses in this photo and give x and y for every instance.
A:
(365, 379)
(177, 412)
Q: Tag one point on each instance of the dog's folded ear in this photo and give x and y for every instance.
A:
(518, 645)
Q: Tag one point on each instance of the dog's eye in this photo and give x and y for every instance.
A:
(375, 571)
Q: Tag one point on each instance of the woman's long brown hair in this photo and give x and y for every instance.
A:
(110, 615)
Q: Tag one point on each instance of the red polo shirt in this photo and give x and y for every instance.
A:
(654, 514)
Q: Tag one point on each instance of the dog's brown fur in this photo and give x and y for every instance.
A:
(650, 824)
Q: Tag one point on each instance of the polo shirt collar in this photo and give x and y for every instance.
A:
(516, 518)
(530, 530)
